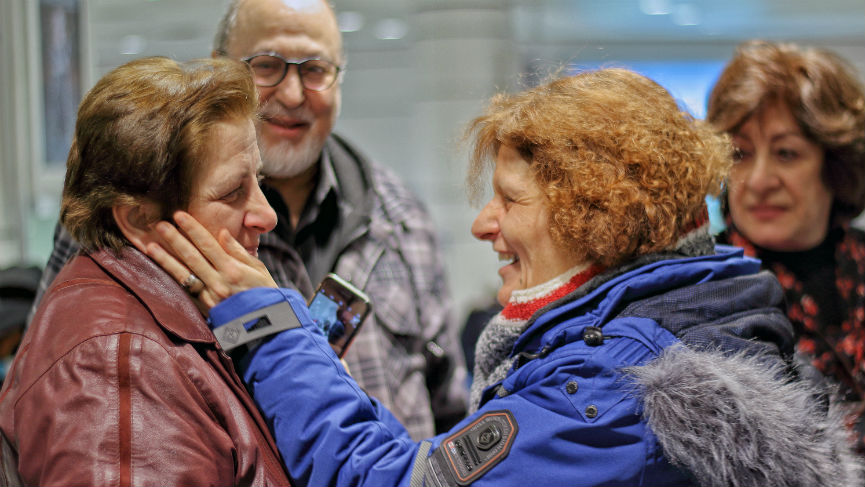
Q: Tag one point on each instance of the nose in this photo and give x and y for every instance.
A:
(486, 224)
(259, 215)
(289, 92)
(763, 176)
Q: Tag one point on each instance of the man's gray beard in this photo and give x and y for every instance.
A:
(283, 160)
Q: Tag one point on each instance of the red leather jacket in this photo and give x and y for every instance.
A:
(119, 381)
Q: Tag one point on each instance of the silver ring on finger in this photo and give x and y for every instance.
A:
(193, 284)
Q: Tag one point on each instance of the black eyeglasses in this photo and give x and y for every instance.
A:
(269, 69)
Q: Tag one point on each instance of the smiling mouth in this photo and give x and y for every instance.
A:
(286, 123)
(508, 259)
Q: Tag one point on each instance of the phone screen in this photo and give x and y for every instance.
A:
(338, 308)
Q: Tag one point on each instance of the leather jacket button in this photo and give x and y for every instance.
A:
(591, 411)
(572, 387)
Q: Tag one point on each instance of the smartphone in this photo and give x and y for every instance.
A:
(339, 309)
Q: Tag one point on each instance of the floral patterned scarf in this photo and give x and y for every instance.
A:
(825, 293)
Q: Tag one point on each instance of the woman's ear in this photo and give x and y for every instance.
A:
(136, 222)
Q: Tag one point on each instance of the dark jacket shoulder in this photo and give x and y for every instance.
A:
(387, 191)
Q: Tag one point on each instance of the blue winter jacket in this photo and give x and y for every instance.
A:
(569, 412)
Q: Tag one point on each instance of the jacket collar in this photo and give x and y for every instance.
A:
(606, 293)
(339, 211)
(172, 308)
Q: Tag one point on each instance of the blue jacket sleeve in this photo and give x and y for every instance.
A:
(327, 429)
(330, 433)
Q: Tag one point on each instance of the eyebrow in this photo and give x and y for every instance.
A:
(311, 54)
(510, 188)
(783, 135)
(236, 177)
(774, 138)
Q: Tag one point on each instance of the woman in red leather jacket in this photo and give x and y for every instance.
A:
(119, 380)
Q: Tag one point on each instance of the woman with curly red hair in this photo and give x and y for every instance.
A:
(797, 119)
(629, 351)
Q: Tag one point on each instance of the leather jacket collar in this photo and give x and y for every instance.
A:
(169, 303)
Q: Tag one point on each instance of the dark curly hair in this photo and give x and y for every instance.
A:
(823, 94)
(625, 171)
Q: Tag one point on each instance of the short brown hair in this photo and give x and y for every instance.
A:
(624, 169)
(140, 134)
(823, 93)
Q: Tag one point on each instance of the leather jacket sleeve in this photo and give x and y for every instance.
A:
(89, 420)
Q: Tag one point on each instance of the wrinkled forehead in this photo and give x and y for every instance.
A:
(272, 23)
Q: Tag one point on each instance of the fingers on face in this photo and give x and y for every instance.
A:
(194, 251)
(179, 272)
(167, 261)
(221, 263)
(188, 256)
(231, 246)
(199, 237)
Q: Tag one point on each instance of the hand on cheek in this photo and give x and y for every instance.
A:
(223, 265)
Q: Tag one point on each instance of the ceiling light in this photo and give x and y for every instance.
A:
(388, 29)
(655, 7)
(132, 44)
(350, 21)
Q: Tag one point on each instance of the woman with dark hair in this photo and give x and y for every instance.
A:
(797, 119)
(630, 351)
(119, 380)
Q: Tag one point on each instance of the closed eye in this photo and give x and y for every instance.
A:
(507, 201)
(233, 194)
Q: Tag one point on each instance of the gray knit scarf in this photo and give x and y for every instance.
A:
(491, 352)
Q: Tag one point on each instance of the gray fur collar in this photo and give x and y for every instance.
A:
(730, 421)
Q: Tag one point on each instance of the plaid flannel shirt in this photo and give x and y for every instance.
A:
(65, 248)
(407, 353)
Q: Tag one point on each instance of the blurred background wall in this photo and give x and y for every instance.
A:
(418, 71)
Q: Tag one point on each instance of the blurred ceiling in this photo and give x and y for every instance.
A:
(120, 29)
(565, 21)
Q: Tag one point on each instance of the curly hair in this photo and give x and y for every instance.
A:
(823, 94)
(141, 132)
(625, 171)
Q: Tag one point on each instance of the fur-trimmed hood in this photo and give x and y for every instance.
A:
(738, 420)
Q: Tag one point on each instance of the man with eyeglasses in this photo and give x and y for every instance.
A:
(341, 213)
